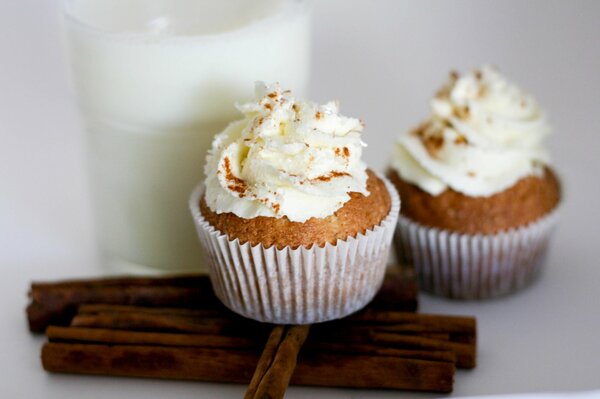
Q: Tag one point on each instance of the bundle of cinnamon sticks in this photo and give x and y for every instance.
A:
(175, 328)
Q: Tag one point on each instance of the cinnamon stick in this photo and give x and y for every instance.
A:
(236, 366)
(371, 349)
(56, 303)
(189, 320)
(203, 364)
(465, 353)
(109, 336)
(442, 322)
(373, 372)
(384, 320)
(277, 362)
(160, 320)
(199, 313)
(146, 322)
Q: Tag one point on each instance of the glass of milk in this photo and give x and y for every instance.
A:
(155, 80)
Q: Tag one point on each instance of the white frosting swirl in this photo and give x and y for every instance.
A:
(285, 158)
(484, 135)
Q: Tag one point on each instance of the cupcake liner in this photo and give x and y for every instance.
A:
(464, 266)
(302, 285)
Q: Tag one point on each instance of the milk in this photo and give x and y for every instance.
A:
(155, 80)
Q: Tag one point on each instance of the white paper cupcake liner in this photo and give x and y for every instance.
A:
(464, 266)
(302, 285)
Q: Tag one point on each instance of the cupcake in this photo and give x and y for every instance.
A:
(295, 228)
(479, 197)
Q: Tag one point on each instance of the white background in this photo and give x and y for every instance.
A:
(382, 60)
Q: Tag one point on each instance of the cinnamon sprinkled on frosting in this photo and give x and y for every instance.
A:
(234, 183)
(286, 158)
(483, 135)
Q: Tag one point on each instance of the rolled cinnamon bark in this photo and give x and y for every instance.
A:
(108, 336)
(277, 362)
(203, 364)
(465, 353)
(237, 366)
(148, 322)
(56, 303)
(374, 372)
(456, 328)
(444, 323)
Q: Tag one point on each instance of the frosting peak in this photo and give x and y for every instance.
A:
(483, 135)
(285, 158)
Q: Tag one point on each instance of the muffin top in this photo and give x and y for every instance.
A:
(285, 158)
(483, 135)
(359, 214)
(528, 200)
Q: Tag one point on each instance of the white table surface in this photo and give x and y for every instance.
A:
(382, 60)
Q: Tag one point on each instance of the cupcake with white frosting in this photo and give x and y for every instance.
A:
(295, 227)
(479, 196)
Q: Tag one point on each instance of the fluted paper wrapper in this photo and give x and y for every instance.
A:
(464, 266)
(302, 285)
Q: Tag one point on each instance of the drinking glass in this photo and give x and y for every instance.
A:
(154, 81)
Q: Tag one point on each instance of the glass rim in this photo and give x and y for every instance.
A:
(290, 9)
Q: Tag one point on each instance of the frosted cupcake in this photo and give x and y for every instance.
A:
(295, 227)
(480, 199)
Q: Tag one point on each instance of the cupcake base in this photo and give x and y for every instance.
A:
(297, 285)
(464, 266)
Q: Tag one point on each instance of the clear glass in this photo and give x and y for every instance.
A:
(155, 80)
